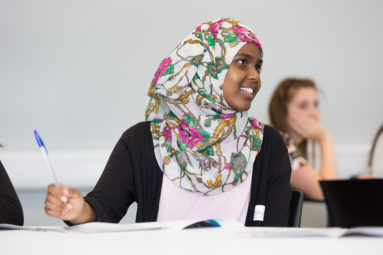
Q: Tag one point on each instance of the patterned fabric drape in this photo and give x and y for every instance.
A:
(200, 143)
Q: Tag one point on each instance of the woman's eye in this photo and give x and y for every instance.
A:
(242, 62)
(258, 68)
(302, 106)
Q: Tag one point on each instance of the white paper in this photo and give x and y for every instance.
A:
(32, 228)
(102, 227)
(364, 231)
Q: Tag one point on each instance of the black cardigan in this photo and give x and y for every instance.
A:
(11, 211)
(133, 175)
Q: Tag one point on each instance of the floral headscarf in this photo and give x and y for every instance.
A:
(200, 143)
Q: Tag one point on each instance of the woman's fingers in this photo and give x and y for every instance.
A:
(57, 200)
(66, 192)
(314, 129)
(67, 209)
(53, 213)
(308, 128)
(52, 189)
(56, 192)
(51, 206)
(298, 127)
(54, 210)
(54, 200)
(64, 202)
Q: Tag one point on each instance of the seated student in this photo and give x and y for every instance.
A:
(294, 111)
(11, 211)
(199, 155)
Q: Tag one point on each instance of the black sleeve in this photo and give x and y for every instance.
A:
(278, 195)
(114, 191)
(11, 211)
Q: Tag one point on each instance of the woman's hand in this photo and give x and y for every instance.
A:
(67, 204)
(309, 128)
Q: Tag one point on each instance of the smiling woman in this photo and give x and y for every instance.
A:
(199, 154)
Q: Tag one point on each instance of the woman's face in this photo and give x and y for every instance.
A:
(304, 104)
(242, 80)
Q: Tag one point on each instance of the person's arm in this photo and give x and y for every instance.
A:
(109, 199)
(306, 179)
(11, 211)
(312, 129)
(328, 168)
(115, 190)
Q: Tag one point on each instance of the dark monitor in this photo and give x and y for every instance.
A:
(353, 203)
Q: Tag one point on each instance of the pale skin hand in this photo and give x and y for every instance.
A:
(306, 178)
(309, 128)
(68, 204)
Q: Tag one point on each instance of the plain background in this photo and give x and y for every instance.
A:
(78, 71)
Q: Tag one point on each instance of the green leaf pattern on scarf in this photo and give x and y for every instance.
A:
(202, 145)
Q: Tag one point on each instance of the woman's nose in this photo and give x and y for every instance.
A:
(314, 113)
(253, 74)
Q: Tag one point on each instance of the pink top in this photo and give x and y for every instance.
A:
(179, 204)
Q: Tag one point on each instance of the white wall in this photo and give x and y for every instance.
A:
(78, 71)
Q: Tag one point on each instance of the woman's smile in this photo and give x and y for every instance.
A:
(249, 91)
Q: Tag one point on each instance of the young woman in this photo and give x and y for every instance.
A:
(294, 111)
(198, 155)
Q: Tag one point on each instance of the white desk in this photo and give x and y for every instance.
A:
(194, 241)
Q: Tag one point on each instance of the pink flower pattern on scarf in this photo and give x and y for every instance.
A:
(161, 69)
(189, 135)
(195, 132)
(246, 35)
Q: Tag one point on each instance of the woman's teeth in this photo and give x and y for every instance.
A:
(248, 90)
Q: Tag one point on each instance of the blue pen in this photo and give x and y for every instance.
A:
(44, 150)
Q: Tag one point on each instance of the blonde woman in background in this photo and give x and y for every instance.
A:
(294, 111)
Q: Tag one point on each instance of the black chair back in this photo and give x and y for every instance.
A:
(296, 208)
